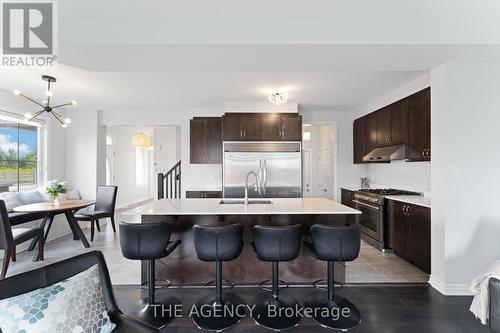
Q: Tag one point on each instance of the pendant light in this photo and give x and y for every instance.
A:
(141, 140)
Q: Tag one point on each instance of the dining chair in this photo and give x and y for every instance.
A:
(9, 238)
(104, 208)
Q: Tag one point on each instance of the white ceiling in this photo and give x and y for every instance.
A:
(333, 54)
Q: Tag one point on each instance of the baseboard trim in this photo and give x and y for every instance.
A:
(450, 289)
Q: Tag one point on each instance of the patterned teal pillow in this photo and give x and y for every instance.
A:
(72, 305)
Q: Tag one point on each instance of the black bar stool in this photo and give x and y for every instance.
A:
(218, 244)
(150, 241)
(331, 243)
(275, 244)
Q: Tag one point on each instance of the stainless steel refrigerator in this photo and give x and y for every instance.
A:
(278, 166)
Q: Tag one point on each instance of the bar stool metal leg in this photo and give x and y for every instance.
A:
(276, 311)
(219, 312)
(157, 310)
(331, 310)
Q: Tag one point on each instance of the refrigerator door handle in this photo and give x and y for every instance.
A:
(259, 180)
(265, 177)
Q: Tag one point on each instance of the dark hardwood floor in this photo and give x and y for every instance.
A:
(384, 308)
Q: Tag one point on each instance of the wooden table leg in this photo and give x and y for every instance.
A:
(75, 235)
(72, 221)
(35, 240)
(46, 225)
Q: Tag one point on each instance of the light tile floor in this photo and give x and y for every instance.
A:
(372, 266)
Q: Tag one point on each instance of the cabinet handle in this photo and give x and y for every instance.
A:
(423, 152)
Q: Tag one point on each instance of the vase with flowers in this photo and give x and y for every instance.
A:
(53, 189)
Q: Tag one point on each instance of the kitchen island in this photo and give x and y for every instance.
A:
(182, 267)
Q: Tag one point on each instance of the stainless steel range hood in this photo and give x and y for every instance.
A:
(386, 154)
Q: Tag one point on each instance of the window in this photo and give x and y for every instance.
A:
(18, 156)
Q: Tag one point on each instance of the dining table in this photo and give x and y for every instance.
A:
(50, 210)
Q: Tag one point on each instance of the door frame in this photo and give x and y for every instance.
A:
(334, 125)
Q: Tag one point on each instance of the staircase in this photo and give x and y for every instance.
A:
(169, 184)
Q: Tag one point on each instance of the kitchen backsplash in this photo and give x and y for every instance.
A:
(414, 176)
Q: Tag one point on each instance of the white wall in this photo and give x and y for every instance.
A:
(414, 176)
(125, 168)
(464, 171)
(82, 150)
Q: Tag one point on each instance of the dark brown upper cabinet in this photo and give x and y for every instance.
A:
(291, 127)
(406, 121)
(399, 122)
(251, 126)
(383, 125)
(359, 140)
(262, 127)
(370, 132)
(231, 130)
(206, 140)
(418, 147)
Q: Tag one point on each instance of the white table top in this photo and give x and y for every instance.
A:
(289, 206)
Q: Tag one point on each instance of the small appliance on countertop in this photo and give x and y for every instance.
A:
(371, 202)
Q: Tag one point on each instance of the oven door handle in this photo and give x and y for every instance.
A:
(366, 205)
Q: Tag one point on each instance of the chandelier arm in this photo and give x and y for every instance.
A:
(30, 99)
(36, 114)
(60, 105)
(57, 117)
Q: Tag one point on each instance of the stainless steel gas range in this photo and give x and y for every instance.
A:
(371, 202)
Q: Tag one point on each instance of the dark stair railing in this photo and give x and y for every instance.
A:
(169, 184)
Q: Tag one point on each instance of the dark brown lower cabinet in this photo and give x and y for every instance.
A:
(203, 194)
(346, 199)
(410, 233)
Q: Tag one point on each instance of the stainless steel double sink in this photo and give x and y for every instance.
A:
(242, 202)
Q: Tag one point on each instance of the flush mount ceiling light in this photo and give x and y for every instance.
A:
(278, 97)
(46, 104)
(141, 140)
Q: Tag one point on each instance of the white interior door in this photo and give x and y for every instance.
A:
(326, 173)
(307, 190)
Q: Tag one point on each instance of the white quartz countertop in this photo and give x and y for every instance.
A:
(412, 199)
(289, 206)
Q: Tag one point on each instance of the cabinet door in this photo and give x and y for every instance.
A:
(198, 141)
(291, 127)
(370, 132)
(251, 126)
(383, 125)
(272, 127)
(213, 194)
(419, 243)
(359, 140)
(214, 140)
(347, 197)
(399, 122)
(231, 130)
(419, 126)
(398, 228)
(203, 194)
